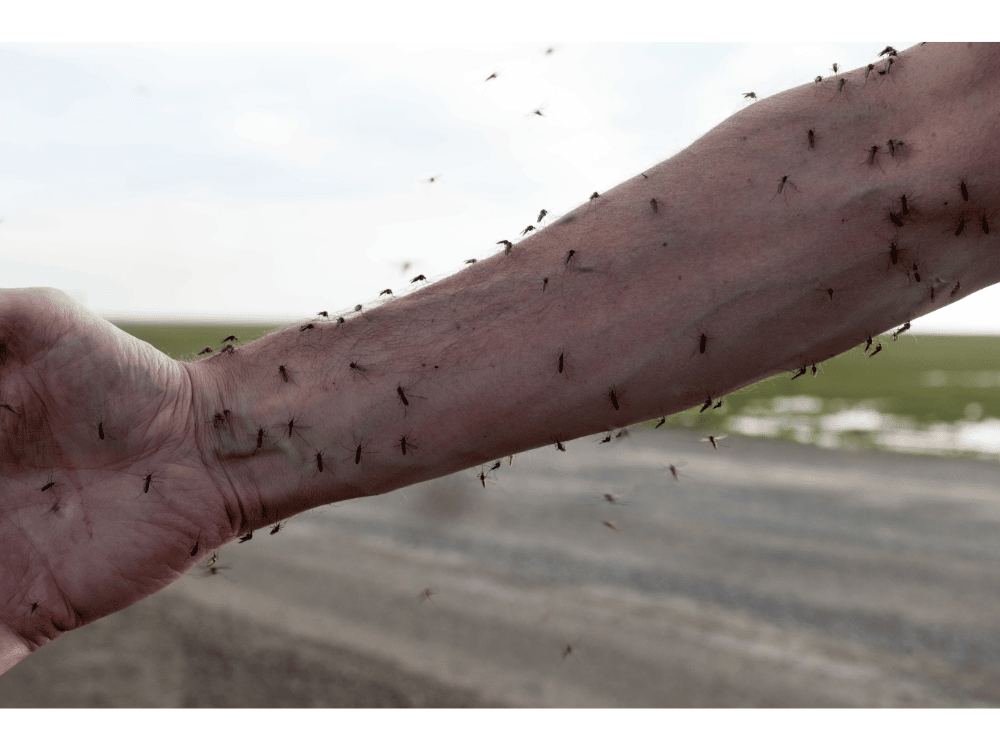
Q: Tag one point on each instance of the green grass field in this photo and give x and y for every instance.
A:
(922, 380)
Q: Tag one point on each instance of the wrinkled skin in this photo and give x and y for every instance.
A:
(82, 532)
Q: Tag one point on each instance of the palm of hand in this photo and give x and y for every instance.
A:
(98, 468)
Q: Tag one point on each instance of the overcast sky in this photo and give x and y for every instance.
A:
(269, 181)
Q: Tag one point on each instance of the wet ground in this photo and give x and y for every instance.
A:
(765, 574)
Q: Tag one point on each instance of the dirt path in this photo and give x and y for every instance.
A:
(765, 575)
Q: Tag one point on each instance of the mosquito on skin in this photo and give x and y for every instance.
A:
(278, 527)
(507, 245)
(800, 373)
(529, 228)
(405, 443)
(750, 95)
(150, 481)
(246, 537)
(782, 181)
(415, 279)
(905, 327)
(702, 344)
(229, 338)
(360, 451)
(206, 350)
(385, 292)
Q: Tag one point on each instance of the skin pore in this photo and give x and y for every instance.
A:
(617, 312)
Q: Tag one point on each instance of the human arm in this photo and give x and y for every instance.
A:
(478, 353)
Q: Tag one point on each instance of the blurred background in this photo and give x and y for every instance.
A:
(837, 547)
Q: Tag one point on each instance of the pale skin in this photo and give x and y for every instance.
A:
(91, 525)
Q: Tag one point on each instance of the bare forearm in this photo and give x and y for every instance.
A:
(624, 309)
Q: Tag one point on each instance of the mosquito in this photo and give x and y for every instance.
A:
(385, 292)
(491, 77)
(562, 361)
(707, 405)
(613, 398)
(895, 219)
(507, 245)
(323, 314)
(278, 527)
(964, 190)
(529, 228)
(611, 525)
(482, 476)
(663, 421)
(984, 223)
(229, 338)
(654, 205)
(283, 372)
(356, 367)
(609, 498)
(811, 135)
(415, 279)
(893, 251)
(888, 51)
(357, 308)
(206, 350)
(426, 594)
(606, 438)
(433, 179)
(958, 285)
(149, 480)
(877, 349)
(493, 469)
(782, 181)
(405, 442)
(560, 446)
(541, 215)
(702, 343)
(713, 439)
(360, 451)
(340, 322)
(292, 426)
(873, 156)
(569, 257)
(905, 327)
(817, 79)
(261, 434)
(246, 537)
(800, 373)
(750, 95)
(228, 349)
(673, 469)
(545, 283)
(960, 226)
(319, 461)
(537, 112)
(868, 344)
(835, 68)
(470, 261)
